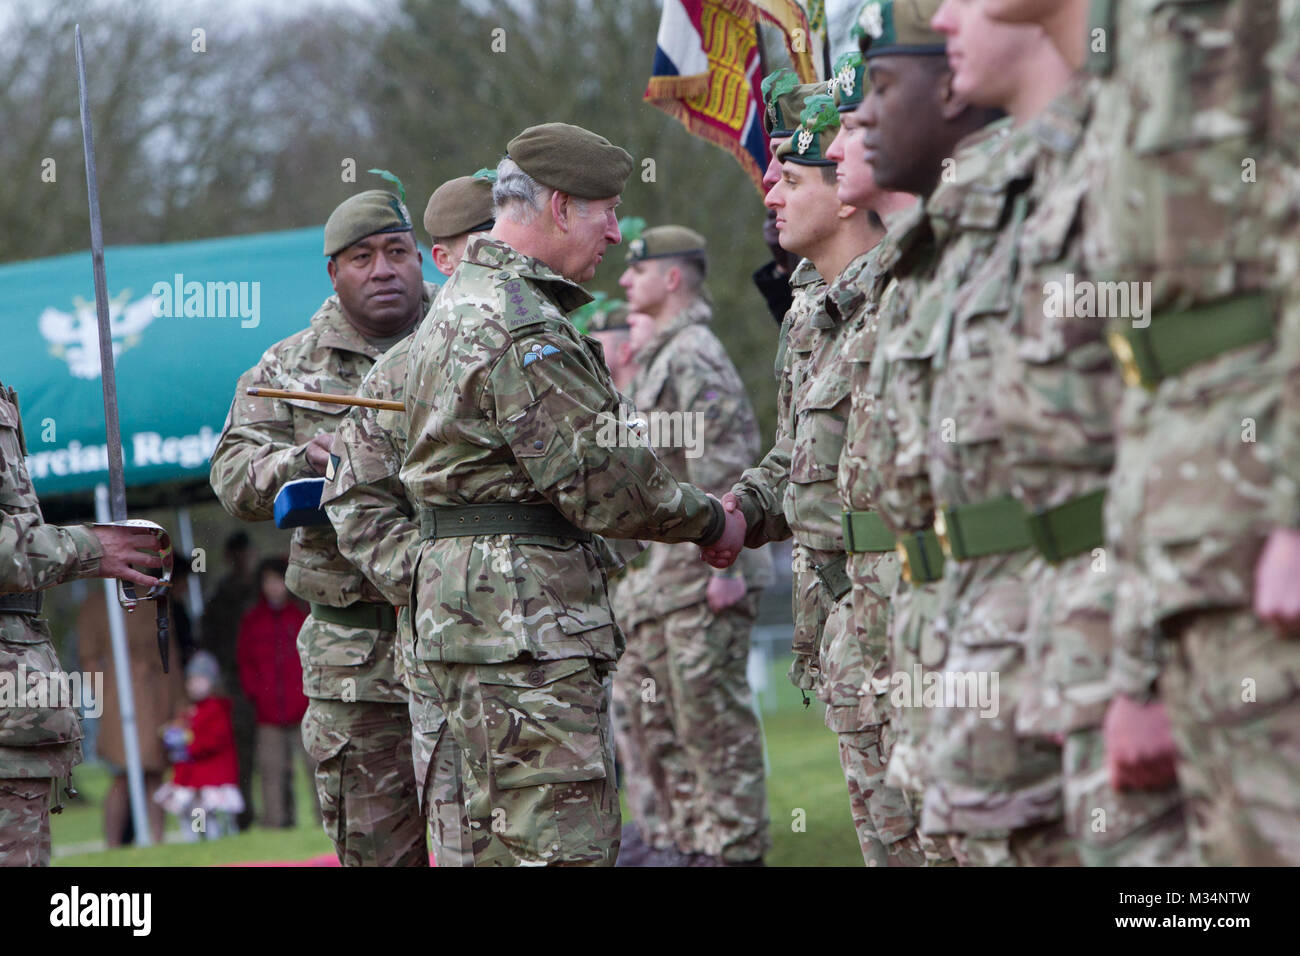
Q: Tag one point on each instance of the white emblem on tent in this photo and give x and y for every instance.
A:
(74, 336)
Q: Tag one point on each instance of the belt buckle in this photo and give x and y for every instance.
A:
(941, 532)
(904, 562)
(1123, 351)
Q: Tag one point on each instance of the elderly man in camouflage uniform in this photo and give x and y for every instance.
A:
(1054, 391)
(357, 726)
(909, 133)
(803, 500)
(517, 461)
(1201, 508)
(40, 739)
(376, 525)
(704, 429)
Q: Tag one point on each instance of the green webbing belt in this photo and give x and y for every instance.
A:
(462, 521)
(921, 556)
(1173, 341)
(1002, 525)
(865, 531)
(374, 617)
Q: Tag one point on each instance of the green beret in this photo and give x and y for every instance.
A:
(365, 214)
(782, 116)
(899, 27)
(849, 82)
(571, 159)
(459, 205)
(666, 241)
(819, 123)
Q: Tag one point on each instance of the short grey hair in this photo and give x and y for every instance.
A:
(519, 197)
(515, 194)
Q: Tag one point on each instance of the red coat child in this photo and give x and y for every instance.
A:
(212, 761)
(269, 668)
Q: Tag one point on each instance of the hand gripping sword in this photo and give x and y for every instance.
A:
(126, 593)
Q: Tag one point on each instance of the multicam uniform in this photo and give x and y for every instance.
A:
(1203, 467)
(38, 744)
(377, 532)
(357, 727)
(1055, 391)
(509, 478)
(686, 373)
(997, 793)
(829, 655)
(883, 473)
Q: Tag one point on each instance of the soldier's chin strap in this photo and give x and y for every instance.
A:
(159, 593)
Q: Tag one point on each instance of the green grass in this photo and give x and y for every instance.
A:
(804, 775)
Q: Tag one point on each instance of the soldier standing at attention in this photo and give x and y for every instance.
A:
(517, 456)
(911, 123)
(357, 727)
(41, 743)
(1196, 204)
(836, 239)
(376, 524)
(702, 617)
(1055, 388)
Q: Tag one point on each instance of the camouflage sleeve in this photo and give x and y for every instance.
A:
(367, 504)
(256, 454)
(1286, 485)
(35, 555)
(761, 489)
(559, 415)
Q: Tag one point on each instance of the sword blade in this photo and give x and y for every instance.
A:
(116, 470)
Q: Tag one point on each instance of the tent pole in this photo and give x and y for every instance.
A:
(125, 691)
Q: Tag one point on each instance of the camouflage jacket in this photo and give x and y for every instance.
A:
(263, 446)
(507, 402)
(1055, 389)
(695, 403)
(1184, 129)
(36, 740)
(792, 490)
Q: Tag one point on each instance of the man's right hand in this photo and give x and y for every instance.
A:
(318, 452)
(124, 547)
(1140, 749)
(723, 552)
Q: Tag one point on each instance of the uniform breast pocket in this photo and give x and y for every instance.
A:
(16, 492)
(821, 409)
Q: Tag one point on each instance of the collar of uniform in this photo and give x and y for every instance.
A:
(1061, 126)
(910, 230)
(483, 250)
(697, 313)
(848, 292)
(805, 273)
(972, 162)
(334, 331)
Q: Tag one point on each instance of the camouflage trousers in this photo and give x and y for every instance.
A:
(712, 711)
(365, 781)
(882, 816)
(438, 783)
(984, 779)
(656, 774)
(914, 650)
(1231, 688)
(1040, 844)
(1119, 827)
(25, 821)
(536, 759)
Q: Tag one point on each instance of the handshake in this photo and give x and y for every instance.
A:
(723, 552)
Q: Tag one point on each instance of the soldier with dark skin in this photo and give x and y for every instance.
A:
(357, 725)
